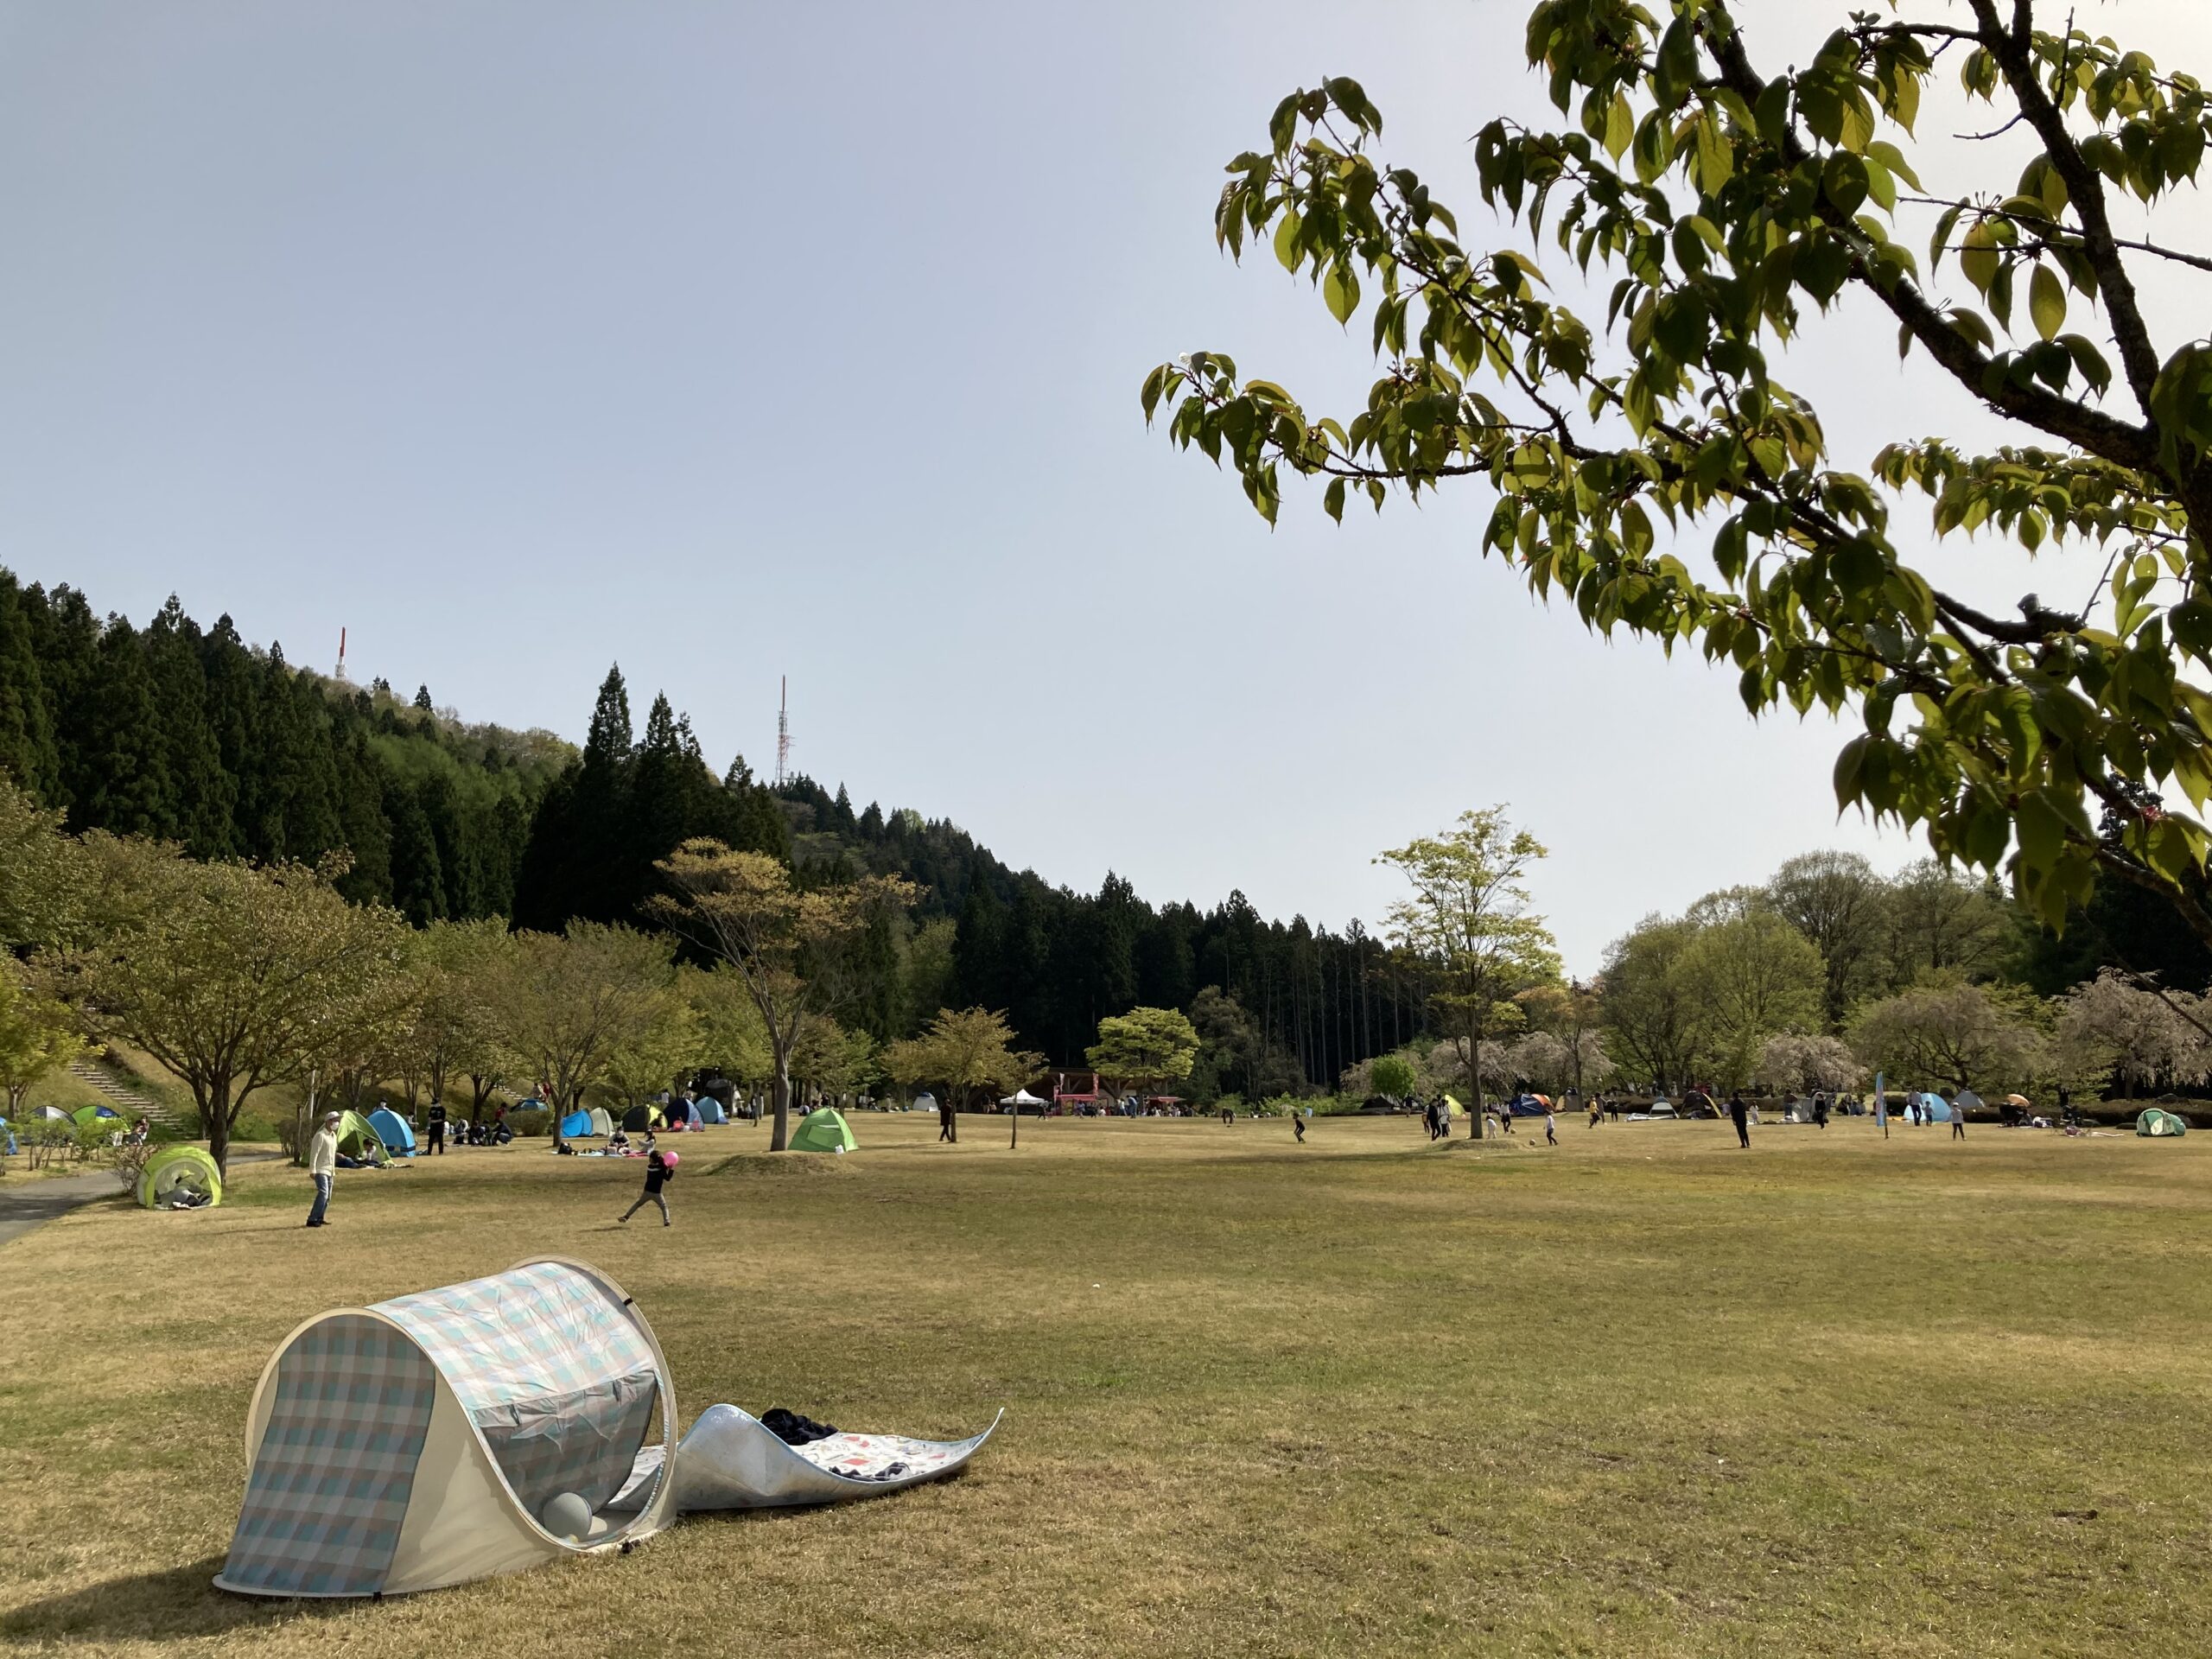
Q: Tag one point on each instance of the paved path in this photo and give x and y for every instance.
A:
(27, 1204)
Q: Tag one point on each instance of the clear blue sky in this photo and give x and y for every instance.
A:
(727, 341)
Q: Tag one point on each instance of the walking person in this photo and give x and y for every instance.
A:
(944, 1127)
(1740, 1115)
(1551, 1127)
(438, 1126)
(1597, 1108)
(323, 1168)
(1958, 1121)
(659, 1167)
(1298, 1126)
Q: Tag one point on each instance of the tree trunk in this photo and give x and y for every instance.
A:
(779, 1089)
(1475, 1130)
(214, 1102)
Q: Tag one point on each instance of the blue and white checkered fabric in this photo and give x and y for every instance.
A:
(336, 1463)
(557, 1376)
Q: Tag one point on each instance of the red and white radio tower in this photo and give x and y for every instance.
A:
(783, 734)
(341, 656)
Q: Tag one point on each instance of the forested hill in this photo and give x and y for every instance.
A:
(192, 735)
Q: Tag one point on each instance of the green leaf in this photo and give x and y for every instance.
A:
(1332, 499)
(1287, 239)
(2046, 301)
(1340, 291)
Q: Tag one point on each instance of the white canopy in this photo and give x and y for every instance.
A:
(1020, 1097)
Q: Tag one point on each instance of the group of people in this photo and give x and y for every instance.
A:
(464, 1132)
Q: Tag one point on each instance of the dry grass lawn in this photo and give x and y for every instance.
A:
(1642, 1395)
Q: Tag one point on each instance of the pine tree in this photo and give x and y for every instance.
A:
(203, 793)
(123, 782)
(27, 748)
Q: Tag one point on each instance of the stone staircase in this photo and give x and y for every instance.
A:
(120, 1095)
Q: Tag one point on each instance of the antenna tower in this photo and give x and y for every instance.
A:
(341, 656)
(783, 734)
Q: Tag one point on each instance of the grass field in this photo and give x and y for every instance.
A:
(1642, 1395)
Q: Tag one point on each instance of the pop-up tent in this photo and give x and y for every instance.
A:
(85, 1116)
(682, 1115)
(1452, 1108)
(357, 1138)
(477, 1429)
(823, 1130)
(395, 1131)
(576, 1126)
(710, 1109)
(643, 1117)
(2154, 1121)
(177, 1176)
(602, 1124)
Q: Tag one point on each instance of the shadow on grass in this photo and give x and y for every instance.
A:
(177, 1602)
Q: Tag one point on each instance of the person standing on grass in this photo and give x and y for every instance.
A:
(1740, 1115)
(657, 1175)
(437, 1118)
(1958, 1121)
(1596, 1108)
(322, 1166)
(1551, 1127)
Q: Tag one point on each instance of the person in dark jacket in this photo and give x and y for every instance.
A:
(657, 1175)
(438, 1126)
(1740, 1115)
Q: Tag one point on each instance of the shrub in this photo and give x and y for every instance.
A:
(530, 1121)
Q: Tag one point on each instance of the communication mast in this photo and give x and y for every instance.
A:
(341, 656)
(783, 734)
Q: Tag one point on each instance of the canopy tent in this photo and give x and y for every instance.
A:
(525, 1401)
(395, 1131)
(731, 1460)
(358, 1139)
(2157, 1121)
(85, 1116)
(179, 1173)
(576, 1126)
(710, 1109)
(1019, 1098)
(823, 1130)
(602, 1124)
(647, 1117)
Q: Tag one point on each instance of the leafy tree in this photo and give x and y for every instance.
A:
(236, 977)
(565, 1005)
(39, 1033)
(1145, 1048)
(963, 1051)
(1949, 1031)
(831, 1060)
(791, 947)
(1468, 918)
(1839, 903)
(649, 1057)
(2114, 1024)
(1943, 922)
(1392, 1075)
(1800, 1062)
(1650, 1016)
(1748, 980)
(456, 1030)
(1726, 196)
(731, 1036)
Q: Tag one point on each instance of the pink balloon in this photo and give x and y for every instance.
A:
(672, 1159)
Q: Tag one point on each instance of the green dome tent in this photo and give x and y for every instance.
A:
(86, 1116)
(824, 1130)
(175, 1170)
(357, 1138)
(2155, 1121)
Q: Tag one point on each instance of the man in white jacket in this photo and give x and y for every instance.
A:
(322, 1166)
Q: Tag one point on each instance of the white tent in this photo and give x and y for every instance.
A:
(443, 1437)
(602, 1124)
(924, 1101)
(1019, 1098)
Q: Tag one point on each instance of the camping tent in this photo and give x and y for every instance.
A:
(357, 1138)
(710, 1109)
(1934, 1109)
(647, 1117)
(601, 1123)
(85, 1116)
(575, 1126)
(395, 1131)
(823, 1130)
(924, 1101)
(685, 1115)
(502, 1395)
(177, 1170)
(52, 1112)
(2154, 1121)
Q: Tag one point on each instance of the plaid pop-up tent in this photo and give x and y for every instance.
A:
(419, 1442)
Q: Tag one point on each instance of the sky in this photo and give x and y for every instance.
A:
(733, 341)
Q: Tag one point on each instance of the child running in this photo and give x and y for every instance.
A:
(660, 1169)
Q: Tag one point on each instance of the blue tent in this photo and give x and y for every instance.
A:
(1526, 1106)
(710, 1110)
(575, 1126)
(396, 1132)
(1935, 1109)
